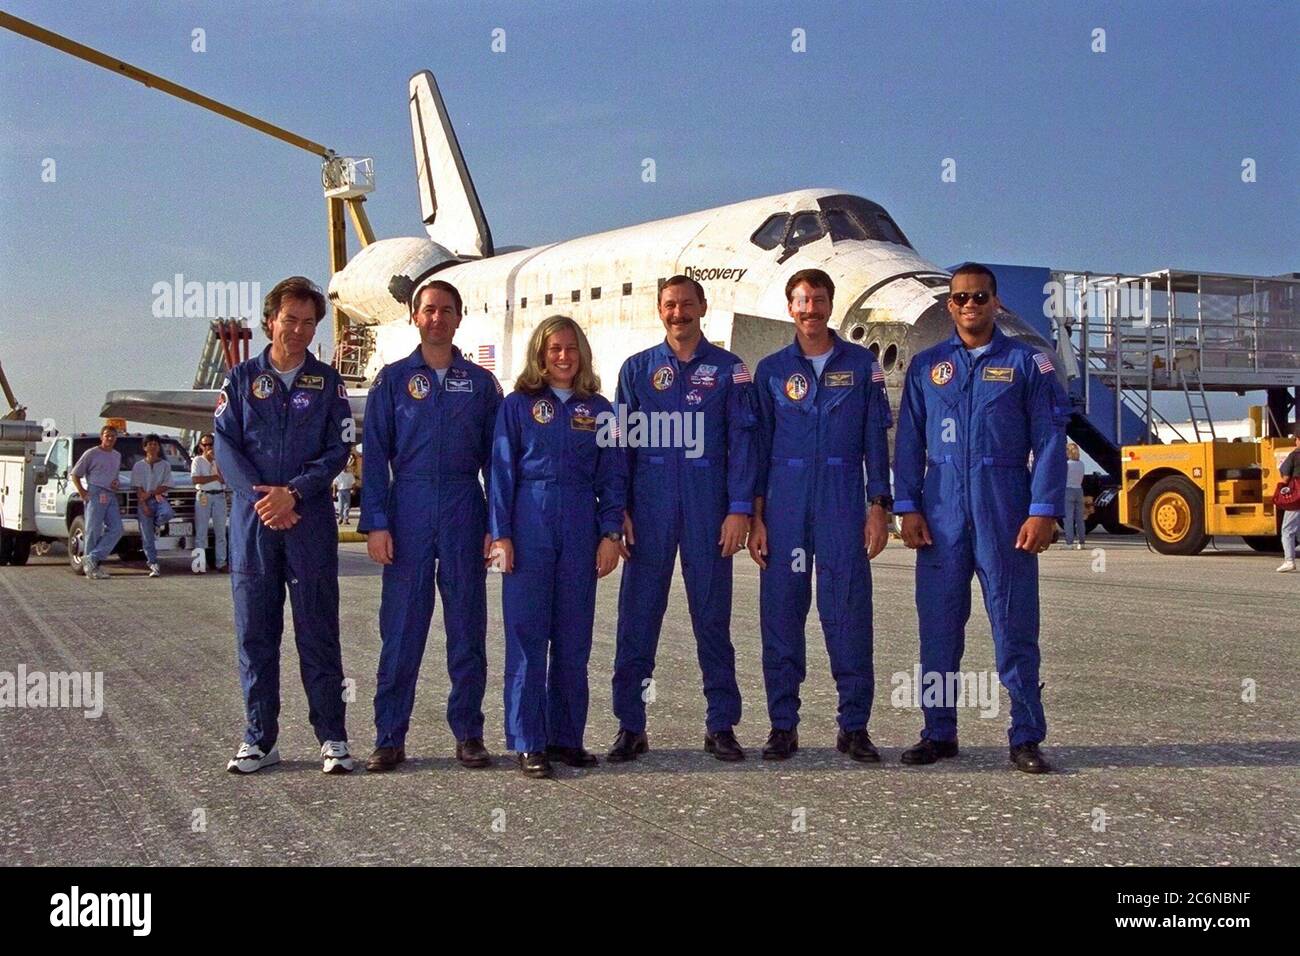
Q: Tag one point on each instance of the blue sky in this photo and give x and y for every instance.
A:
(1127, 160)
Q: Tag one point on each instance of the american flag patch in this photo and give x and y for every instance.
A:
(1044, 363)
(487, 357)
(877, 374)
(740, 374)
(498, 386)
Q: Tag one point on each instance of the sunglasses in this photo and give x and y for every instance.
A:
(961, 298)
(206, 444)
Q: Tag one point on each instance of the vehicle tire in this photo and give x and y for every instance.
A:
(76, 543)
(1266, 543)
(22, 549)
(6, 545)
(1173, 516)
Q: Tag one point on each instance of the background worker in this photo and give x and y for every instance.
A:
(209, 499)
(151, 479)
(100, 466)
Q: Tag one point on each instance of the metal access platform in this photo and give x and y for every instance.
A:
(1194, 332)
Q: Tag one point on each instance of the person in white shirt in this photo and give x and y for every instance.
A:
(151, 478)
(343, 485)
(209, 500)
(1074, 521)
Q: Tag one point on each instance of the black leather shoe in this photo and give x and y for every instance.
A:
(928, 751)
(535, 764)
(385, 758)
(1026, 757)
(627, 745)
(573, 756)
(781, 744)
(724, 746)
(471, 753)
(857, 744)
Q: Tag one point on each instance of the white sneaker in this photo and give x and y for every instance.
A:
(1286, 566)
(335, 757)
(250, 758)
(155, 571)
(1078, 547)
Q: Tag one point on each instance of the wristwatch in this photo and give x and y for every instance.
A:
(615, 536)
(295, 492)
(885, 501)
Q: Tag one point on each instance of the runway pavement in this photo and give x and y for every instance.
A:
(1171, 695)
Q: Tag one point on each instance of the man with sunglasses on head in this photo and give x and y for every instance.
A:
(209, 501)
(974, 408)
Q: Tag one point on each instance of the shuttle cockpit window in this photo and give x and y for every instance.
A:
(806, 227)
(873, 220)
(770, 234)
(843, 225)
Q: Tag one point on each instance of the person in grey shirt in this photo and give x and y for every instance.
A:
(99, 466)
(1074, 522)
(151, 477)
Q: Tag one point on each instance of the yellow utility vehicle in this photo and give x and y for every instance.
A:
(1181, 495)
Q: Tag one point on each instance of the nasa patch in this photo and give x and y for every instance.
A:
(582, 410)
(543, 411)
(417, 386)
(694, 397)
(941, 373)
(222, 402)
(796, 387)
(300, 400)
(662, 378)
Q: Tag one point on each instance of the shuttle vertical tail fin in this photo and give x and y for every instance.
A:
(449, 206)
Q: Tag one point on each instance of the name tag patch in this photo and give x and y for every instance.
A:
(992, 374)
(582, 423)
(839, 379)
(311, 381)
(457, 384)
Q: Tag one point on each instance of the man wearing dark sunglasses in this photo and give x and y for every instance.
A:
(974, 408)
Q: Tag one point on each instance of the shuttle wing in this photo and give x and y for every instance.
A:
(449, 206)
(187, 408)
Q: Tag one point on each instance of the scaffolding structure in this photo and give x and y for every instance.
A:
(1172, 330)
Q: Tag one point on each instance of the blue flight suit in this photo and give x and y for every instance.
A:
(675, 501)
(436, 439)
(554, 490)
(266, 434)
(817, 435)
(965, 433)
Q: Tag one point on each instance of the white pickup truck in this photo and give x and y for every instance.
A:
(38, 501)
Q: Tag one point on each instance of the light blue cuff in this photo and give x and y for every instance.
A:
(1044, 511)
(904, 506)
(740, 508)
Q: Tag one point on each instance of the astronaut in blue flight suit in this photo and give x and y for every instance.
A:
(974, 408)
(282, 430)
(698, 498)
(823, 418)
(429, 422)
(555, 507)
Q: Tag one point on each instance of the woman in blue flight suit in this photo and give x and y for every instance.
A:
(555, 516)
